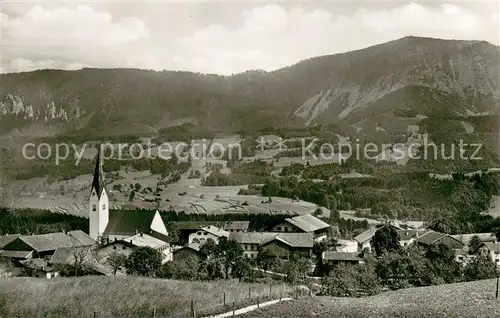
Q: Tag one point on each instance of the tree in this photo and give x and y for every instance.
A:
(481, 268)
(144, 261)
(386, 239)
(241, 268)
(475, 244)
(116, 260)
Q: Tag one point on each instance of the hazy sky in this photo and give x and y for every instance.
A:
(221, 37)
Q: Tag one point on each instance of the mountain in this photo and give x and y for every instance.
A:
(376, 86)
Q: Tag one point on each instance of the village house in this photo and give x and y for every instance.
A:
(364, 239)
(281, 245)
(207, 233)
(492, 250)
(188, 251)
(432, 238)
(127, 245)
(185, 228)
(332, 258)
(44, 245)
(306, 223)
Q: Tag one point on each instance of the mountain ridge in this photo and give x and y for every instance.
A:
(416, 75)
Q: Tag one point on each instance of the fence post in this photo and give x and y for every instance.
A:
(95, 314)
(258, 305)
(248, 292)
(154, 312)
(224, 299)
(233, 310)
(270, 289)
(496, 293)
(193, 310)
(280, 296)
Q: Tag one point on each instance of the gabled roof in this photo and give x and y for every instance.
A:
(341, 256)
(6, 239)
(308, 223)
(430, 237)
(215, 231)
(128, 222)
(98, 181)
(193, 246)
(195, 225)
(366, 235)
(251, 237)
(82, 238)
(493, 246)
(66, 255)
(145, 240)
(292, 239)
(16, 254)
(262, 238)
(465, 238)
(50, 242)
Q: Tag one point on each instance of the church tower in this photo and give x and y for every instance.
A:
(98, 201)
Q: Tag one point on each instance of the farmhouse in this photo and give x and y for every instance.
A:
(492, 249)
(185, 228)
(208, 232)
(281, 245)
(44, 245)
(334, 258)
(127, 245)
(364, 239)
(306, 223)
(432, 238)
(188, 251)
(346, 246)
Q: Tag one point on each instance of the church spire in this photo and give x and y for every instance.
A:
(98, 182)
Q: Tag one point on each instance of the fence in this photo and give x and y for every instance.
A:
(229, 302)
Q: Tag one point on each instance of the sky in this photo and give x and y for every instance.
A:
(221, 37)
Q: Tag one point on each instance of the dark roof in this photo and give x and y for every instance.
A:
(262, 238)
(340, 256)
(193, 246)
(6, 239)
(127, 222)
(50, 241)
(195, 225)
(16, 254)
(98, 181)
(160, 236)
(81, 238)
(430, 237)
(293, 239)
(66, 255)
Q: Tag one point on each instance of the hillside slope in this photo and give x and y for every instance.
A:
(402, 78)
(474, 299)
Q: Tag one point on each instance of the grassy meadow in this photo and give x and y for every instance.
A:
(125, 296)
(472, 299)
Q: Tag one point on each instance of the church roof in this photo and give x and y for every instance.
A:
(128, 222)
(98, 181)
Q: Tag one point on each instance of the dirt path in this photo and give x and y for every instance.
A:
(249, 308)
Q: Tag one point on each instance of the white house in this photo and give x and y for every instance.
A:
(492, 249)
(207, 232)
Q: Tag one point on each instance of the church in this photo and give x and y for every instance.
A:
(131, 227)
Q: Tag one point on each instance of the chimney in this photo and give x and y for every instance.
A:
(141, 234)
(115, 239)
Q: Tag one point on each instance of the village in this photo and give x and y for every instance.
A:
(113, 232)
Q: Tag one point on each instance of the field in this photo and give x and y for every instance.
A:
(475, 299)
(124, 296)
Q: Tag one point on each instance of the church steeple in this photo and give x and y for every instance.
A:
(98, 181)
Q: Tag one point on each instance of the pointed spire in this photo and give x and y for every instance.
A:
(98, 181)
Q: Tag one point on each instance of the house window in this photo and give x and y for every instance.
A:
(104, 206)
(114, 247)
(123, 247)
(94, 207)
(286, 229)
(278, 228)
